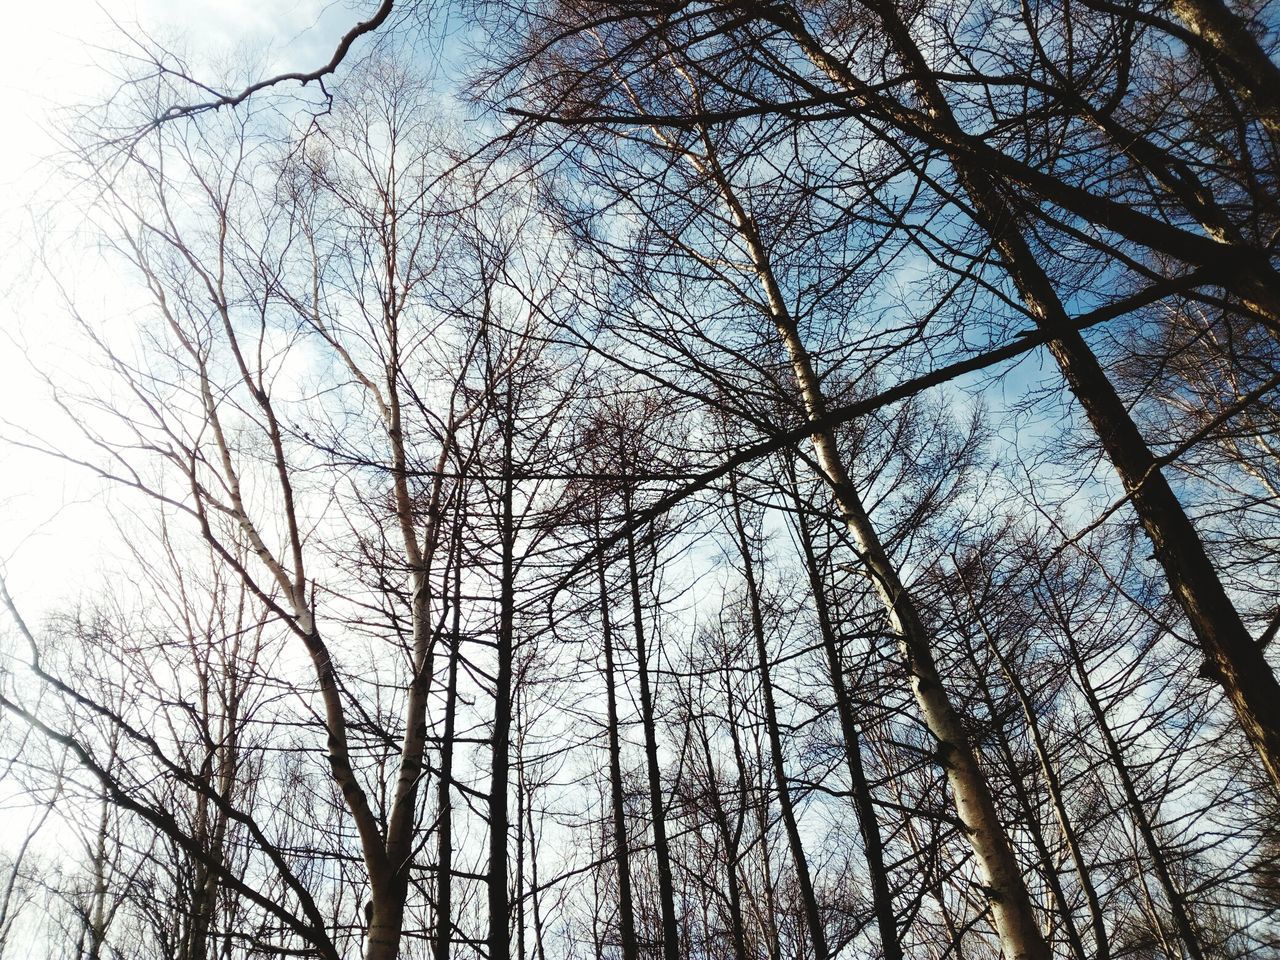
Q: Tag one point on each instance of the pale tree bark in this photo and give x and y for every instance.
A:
(291, 597)
(97, 913)
(15, 897)
(1028, 815)
(420, 549)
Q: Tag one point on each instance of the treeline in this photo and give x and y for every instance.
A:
(726, 480)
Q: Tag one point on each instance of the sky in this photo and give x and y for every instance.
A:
(56, 540)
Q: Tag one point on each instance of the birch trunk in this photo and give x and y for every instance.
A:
(621, 846)
(1029, 817)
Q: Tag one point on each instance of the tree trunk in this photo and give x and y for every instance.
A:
(868, 822)
(96, 913)
(621, 846)
(666, 887)
(444, 838)
(499, 823)
(768, 919)
(813, 917)
(1030, 819)
(1177, 903)
(732, 844)
(1102, 942)
(386, 919)
(1237, 52)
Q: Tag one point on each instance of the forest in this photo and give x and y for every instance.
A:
(663, 479)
